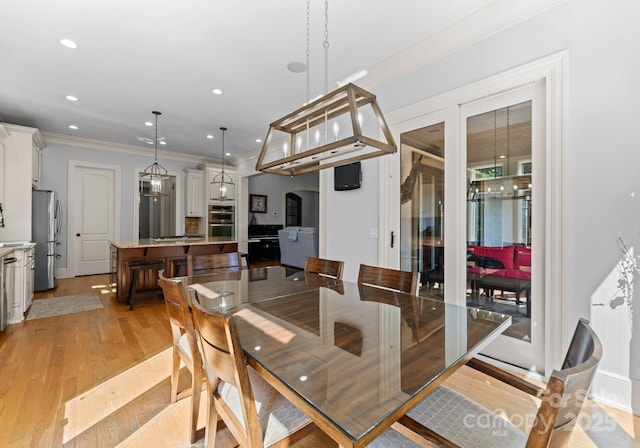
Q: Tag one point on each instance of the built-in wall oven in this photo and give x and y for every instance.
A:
(221, 221)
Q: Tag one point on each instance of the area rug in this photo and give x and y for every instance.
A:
(58, 306)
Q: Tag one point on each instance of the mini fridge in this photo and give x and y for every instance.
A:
(46, 223)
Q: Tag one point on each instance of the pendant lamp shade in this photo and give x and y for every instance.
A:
(222, 185)
(153, 177)
(343, 126)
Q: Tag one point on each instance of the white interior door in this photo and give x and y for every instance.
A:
(502, 143)
(94, 212)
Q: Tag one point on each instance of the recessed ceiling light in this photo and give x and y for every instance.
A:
(258, 140)
(162, 142)
(216, 91)
(148, 123)
(68, 43)
(227, 154)
(74, 127)
(297, 67)
(71, 98)
(502, 156)
(210, 136)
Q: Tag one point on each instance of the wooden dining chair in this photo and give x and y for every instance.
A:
(389, 278)
(447, 418)
(185, 347)
(253, 411)
(323, 266)
(202, 264)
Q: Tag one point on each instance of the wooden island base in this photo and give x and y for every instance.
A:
(125, 254)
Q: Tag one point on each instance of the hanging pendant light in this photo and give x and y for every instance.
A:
(154, 174)
(327, 132)
(222, 183)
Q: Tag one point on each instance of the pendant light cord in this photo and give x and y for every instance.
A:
(223, 129)
(308, 44)
(325, 44)
(156, 113)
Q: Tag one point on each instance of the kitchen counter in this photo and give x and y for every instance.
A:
(172, 252)
(157, 242)
(7, 247)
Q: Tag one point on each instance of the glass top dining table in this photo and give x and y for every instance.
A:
(354, 358)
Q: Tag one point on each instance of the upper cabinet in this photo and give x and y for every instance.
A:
(194, 193)
(4, 133)
(18, 183)
(35, 165)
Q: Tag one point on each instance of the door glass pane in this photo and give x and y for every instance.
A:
(499, 246)
(422, 206)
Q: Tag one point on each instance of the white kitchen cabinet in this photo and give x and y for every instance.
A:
(18, 182)
(194, 193)
(4, 133)
(35, 166)
(21, 274)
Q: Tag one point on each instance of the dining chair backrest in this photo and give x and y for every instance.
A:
(225, 360)
(323, 266)
(389, 278)
(182, 327)
(201, 264)
(178, 309)
(566, 390)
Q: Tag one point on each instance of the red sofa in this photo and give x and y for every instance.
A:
(505, 268)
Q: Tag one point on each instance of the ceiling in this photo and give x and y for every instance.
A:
(134, 57)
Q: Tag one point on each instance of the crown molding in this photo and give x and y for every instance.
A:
(478, 25)
(80, 142)
(36, 136)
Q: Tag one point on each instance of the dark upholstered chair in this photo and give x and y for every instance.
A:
(443, 417)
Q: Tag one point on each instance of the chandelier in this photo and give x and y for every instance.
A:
(222, 183)
(155, 173)
(342, 126)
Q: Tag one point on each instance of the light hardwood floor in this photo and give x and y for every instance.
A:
(101, 379)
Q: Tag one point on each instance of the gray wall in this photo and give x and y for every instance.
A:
(275, 187)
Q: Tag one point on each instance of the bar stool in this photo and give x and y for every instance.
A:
(181, 268)
(136, 267)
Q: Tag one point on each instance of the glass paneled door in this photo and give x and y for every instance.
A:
(502, 139)
(422, 206)
(472, 212)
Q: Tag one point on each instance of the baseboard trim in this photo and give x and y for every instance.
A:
(616, 391)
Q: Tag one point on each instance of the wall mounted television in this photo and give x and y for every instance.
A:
(347, 177)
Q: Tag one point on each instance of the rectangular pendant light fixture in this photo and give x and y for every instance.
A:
(343, 126)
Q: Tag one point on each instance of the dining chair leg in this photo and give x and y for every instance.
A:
(196, 393)
(212, 423)
(175, 375)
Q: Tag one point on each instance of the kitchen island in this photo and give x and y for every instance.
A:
(168, 250)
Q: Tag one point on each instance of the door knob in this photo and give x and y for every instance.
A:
(77, 234)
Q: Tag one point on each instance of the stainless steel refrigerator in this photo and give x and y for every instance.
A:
(46, 223)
